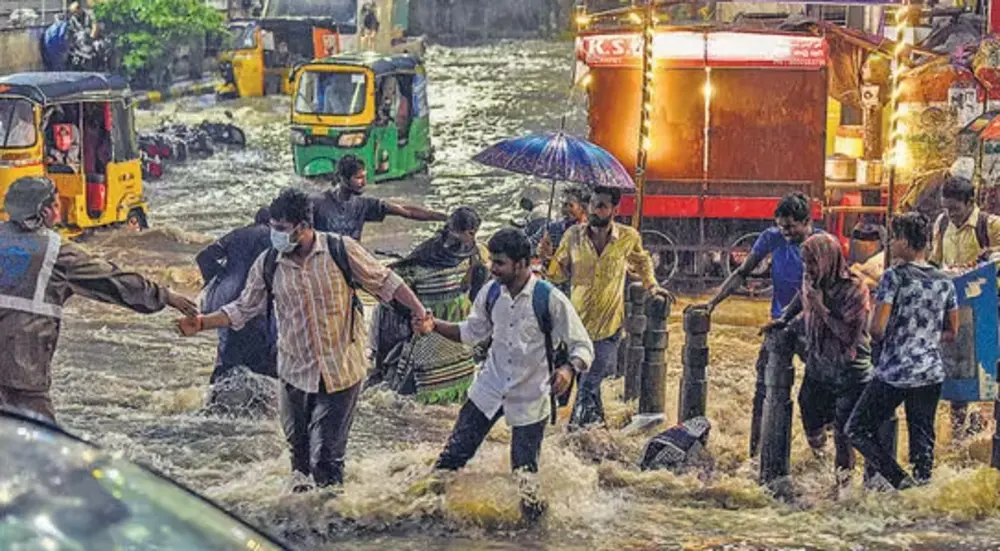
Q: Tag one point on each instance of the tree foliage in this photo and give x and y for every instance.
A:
(147, 32)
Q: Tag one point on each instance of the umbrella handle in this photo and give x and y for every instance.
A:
(552, 199)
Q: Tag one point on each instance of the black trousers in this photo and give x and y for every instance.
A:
(316, 426)
(823, 403)
(471, 429)
(878, 403)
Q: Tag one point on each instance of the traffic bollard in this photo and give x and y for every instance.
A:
(776, 423)
(693, 397)
(653, 381)
(636, 328)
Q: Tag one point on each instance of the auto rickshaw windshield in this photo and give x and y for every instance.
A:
(243, 37)
(17, 123)
(331, 93)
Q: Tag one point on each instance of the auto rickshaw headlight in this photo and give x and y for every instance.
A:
(353, 139)
(298, 137)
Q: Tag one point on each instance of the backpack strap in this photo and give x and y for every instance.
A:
(540, 304)
(983, 230)
(270, 266)
(338, 252)
(492, 294)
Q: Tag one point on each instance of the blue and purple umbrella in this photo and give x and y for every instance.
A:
(558, 157)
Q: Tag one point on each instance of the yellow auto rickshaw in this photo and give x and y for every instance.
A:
(263, 51)
(77, 129)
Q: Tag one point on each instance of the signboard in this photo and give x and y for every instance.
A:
(696, 49)
(971, 361)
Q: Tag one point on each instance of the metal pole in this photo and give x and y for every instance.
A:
(902, 22)
(645, 118)
(694, 380)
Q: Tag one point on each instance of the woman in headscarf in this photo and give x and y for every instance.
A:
(446, 272)
(833, 305)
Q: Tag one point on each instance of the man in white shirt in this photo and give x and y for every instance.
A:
(515, 380)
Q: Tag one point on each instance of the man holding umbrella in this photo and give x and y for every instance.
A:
(595, 258)
(592, 257)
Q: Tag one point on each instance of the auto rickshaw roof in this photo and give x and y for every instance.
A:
(48, 87)
(380, 64)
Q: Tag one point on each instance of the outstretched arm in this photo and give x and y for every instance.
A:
(414, 212)
(100, 280)
(735, 280)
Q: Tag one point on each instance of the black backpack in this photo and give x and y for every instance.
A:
(338, 252)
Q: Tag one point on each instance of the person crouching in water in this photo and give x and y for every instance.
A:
(834, 306)
(916, 309)
(308, 277)
(515, 380)
(224, 267)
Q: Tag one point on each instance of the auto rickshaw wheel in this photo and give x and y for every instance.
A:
(136, 220)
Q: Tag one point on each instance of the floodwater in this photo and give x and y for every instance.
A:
(131, 384)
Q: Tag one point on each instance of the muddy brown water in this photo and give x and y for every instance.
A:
(130, 383)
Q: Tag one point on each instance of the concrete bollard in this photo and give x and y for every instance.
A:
(693, 397)
(776, 423)
(653, 381)
(636, 328)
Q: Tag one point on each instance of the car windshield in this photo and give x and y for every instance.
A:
(59, 493)
(17, 123)
(331, 93)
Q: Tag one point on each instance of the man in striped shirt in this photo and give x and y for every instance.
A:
(321, 354)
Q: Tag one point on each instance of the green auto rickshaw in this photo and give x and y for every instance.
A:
(369, 105)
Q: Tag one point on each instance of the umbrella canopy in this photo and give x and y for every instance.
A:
(558, 157)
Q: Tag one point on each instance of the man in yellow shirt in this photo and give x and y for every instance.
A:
(595, 258)
(963, 235)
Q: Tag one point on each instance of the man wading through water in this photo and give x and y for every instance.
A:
(344, 210)
(39, 272)
(595, 259)
(515, 380)
(793, 225)
(224, 267)
(321, 341)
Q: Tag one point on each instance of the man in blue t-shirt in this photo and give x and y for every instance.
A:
(916, 309)
(793, 224)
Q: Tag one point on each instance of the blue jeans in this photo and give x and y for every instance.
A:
(588, 408)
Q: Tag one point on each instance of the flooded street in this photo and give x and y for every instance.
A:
(131, 384)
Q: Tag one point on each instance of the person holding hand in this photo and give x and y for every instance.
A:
(522, 371)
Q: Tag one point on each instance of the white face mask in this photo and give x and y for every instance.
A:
(282, 241)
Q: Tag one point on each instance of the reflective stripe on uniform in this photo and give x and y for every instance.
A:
(37, 304)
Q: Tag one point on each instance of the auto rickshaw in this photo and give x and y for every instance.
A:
(263, 52)
(374, 107)
(78, 130)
